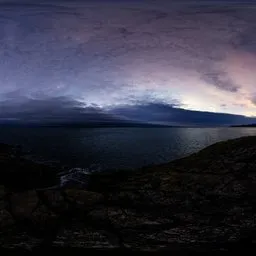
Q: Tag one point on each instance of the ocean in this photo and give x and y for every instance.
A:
(115, 148)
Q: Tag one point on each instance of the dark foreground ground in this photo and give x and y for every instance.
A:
(203, 203)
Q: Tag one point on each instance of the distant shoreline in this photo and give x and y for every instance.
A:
(73, 126)
(241, 126)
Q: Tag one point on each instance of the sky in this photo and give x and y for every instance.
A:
(167, 62)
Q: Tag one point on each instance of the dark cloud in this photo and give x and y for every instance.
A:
(62, 110)
(221, 81)
(253, 100)
(246, 37)
(52, 110)
(240, 105)
(247, 41)
(169, 114)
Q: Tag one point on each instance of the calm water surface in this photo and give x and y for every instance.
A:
(108, 148)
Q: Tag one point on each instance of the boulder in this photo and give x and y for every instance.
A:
(43, 217)
(83, 198)
(55, 200)
(5, 219)
(24, 203)
(2, 191)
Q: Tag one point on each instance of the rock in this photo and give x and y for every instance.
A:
(18, 173)
(23, 204)
(99, 214)
(204, 201)
(2, 204)
(83, 198)
(6, 152)
(55, 200)
(5, 148)
(43, 217)
(5, 219)
(2, 192)
(79, 236)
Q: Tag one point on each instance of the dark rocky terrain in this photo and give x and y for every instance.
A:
(204, 202)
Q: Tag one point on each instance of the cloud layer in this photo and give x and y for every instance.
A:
(116, 57)
(62, 110)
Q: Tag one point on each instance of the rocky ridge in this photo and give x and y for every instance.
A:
(204, 202)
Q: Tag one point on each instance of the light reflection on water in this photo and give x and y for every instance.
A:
(108, 148)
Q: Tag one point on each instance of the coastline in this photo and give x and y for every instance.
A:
(203, 202)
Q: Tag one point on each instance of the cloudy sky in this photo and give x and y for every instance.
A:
(173, 62)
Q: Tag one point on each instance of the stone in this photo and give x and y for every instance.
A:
(2, 204)
(56, 200)
(23, 204)
(2, 191)
(43, 216)
(5, 219)
(83, 198)
(99, 214)
(80, 237)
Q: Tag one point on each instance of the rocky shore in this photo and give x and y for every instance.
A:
(204, 202)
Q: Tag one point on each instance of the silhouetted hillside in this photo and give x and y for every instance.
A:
(244, 125)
